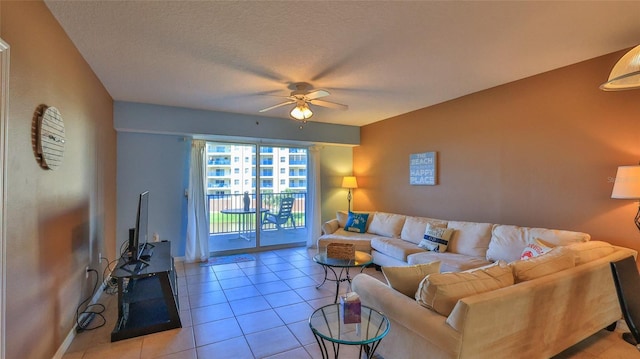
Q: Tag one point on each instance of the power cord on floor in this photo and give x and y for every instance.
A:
(110, 283)
(86, 316)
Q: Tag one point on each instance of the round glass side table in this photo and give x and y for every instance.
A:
(361, 260)
(327, 325)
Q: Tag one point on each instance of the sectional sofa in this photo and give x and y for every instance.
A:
(481, 300)
(393, 240)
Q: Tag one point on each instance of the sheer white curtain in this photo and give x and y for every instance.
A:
(197, 223)
(314, 214)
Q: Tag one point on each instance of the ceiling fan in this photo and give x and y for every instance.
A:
(302, 97)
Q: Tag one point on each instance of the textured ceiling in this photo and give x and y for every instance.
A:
(381, 58)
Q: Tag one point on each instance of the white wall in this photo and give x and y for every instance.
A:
(159, 164)
(137, 117)
(154, 143)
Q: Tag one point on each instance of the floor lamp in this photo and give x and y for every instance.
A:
(350, 183)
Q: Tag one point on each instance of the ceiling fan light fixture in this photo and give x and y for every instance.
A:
(301, 112)
(625, 75)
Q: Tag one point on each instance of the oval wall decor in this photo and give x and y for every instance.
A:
(51, 138)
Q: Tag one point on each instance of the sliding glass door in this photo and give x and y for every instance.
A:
(256, 196)
(283, 193)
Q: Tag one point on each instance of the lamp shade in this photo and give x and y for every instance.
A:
(625, 75)
(349, 182)
(627, 183)
(301, 112)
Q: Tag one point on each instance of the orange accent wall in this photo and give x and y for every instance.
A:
(539, 152)
(57, 221)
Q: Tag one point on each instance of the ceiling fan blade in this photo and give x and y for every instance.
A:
(317, 94)
(333, 105)
(278, 105)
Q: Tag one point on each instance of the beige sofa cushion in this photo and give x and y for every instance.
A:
(414, 227)
(589, 251)
(558, 237)
(406, 279)
(556, 260)
(361, 241)
(508, 242)
(386, 224)
(395, 247)
(440, 292)
(470, 238)
(449, 262)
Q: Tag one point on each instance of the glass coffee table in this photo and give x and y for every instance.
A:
(326, 325)
(361, 260)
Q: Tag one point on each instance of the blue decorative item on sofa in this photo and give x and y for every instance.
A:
(357, 222)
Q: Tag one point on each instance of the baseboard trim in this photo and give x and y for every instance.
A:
(62, 349)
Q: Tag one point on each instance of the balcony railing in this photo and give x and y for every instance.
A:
(220, 223)
(218, 162)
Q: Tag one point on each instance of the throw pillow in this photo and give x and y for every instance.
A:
(441, 291)
(414, 227)
(536, 248)
(357, 222)
(406, 279)
(558, 259)
(435, 238)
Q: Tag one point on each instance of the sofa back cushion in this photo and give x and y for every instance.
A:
(441, 291)
(414, 227)
(508, 242)
(556, 260)
(386, 224)
(406, 279)
(470, 238)
(558, 237)
(589, 251)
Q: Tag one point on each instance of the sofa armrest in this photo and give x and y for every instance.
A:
(403, 311)
(330, 226)
(584, 297)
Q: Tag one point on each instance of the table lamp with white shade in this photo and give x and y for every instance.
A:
(627, 186)
(349, 182)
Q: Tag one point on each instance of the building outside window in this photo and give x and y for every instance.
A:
(232, 168)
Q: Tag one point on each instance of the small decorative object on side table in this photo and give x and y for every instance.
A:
(327, 324)
(350, 308)
(341, 251)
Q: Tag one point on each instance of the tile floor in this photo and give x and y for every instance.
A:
(259, 309)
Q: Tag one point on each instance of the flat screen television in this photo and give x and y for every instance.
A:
(138, 236)
(142, 226)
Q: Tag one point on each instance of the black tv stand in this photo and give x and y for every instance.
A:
(134, 266)
(146, 251)
(147, 295)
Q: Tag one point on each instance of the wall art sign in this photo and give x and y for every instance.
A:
(422, 169)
